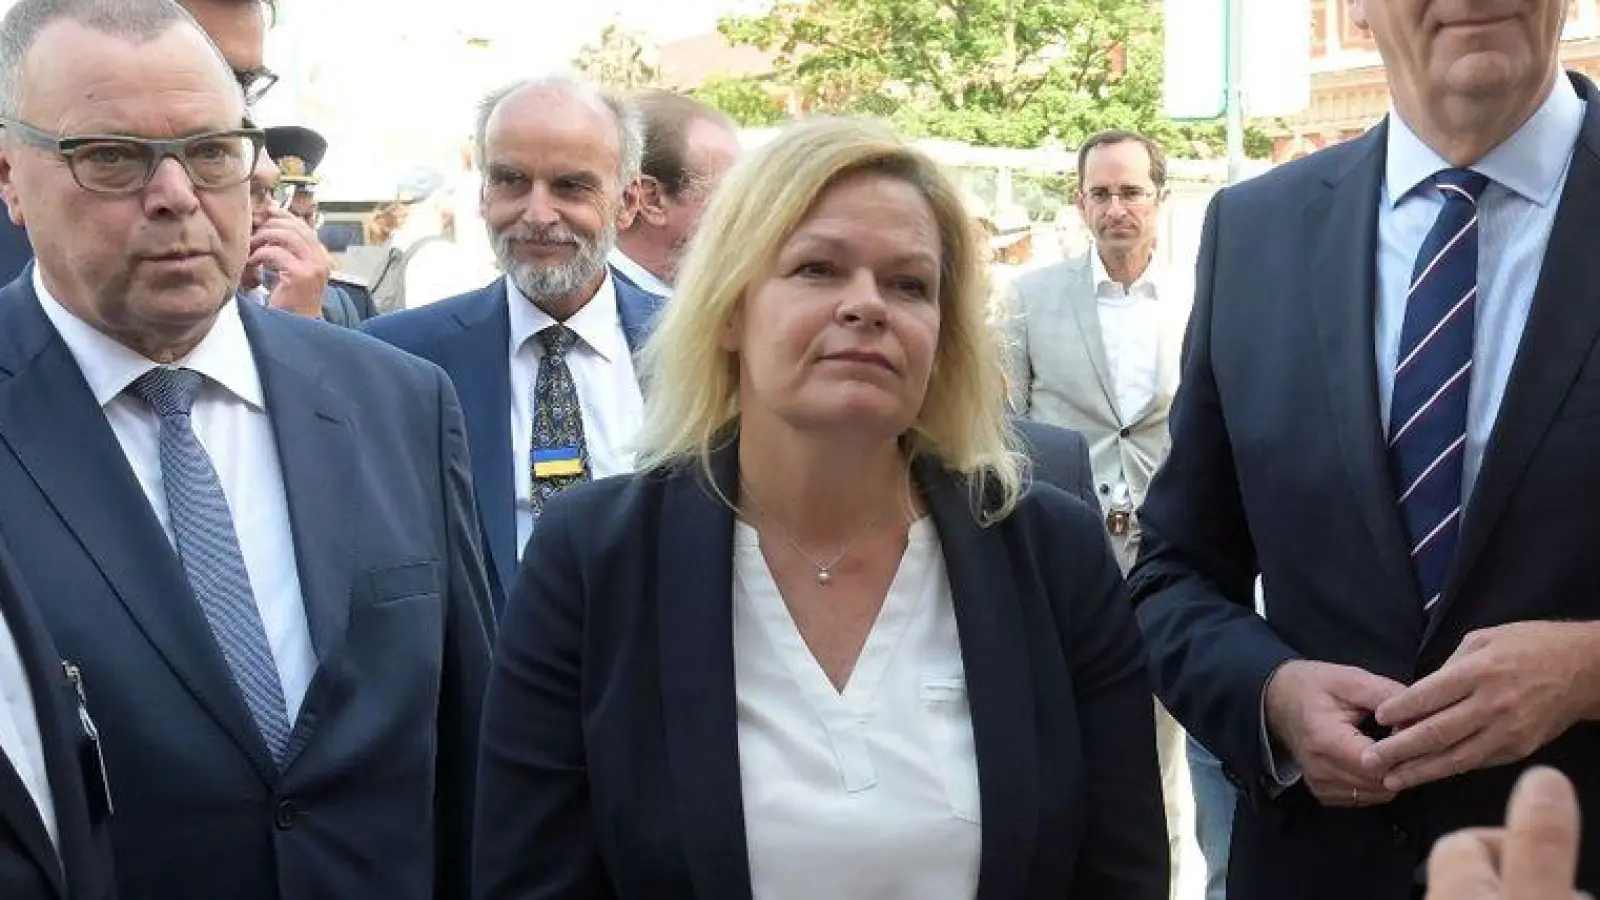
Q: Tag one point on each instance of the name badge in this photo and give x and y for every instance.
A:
(557, 462)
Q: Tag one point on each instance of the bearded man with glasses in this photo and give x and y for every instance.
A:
(251, 534)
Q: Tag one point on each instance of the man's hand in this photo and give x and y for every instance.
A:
(1315, 710)
(290, 248)
(1535, 857)
(1504, 693)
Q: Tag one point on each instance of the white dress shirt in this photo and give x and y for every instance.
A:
(1515, 216)
(230, 419)
(602, 370)
(870, 793)
(639, 275)
(20, 740)
(1131, 328)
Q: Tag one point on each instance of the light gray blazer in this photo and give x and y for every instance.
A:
(1059, 375)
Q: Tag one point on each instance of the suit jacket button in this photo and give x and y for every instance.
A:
(286, 815)
(1399, 836)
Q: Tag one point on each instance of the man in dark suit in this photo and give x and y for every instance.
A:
(238, 28)
(1060, 457)
(1387, 412)
(53, 838)
(253, 534)
(556, 156)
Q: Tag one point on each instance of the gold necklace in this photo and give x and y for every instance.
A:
(824, 570)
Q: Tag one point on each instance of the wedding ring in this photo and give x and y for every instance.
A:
(1355, 796)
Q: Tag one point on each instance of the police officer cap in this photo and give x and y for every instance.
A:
(297, 152)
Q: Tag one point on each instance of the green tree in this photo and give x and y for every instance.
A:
(748, 101)
(995, 72)
(618, 59)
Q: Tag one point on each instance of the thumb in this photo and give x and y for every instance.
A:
(1461, 867)
(1541, 850)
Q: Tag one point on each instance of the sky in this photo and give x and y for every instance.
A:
(404, 93)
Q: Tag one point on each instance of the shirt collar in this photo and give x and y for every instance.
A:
(597, 323)
(1524, 163)
(639, 275)
(1145, 285)
(223, 356)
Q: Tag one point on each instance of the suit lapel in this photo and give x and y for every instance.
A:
(313, 435)
(1562, 330)
(479, 362)
(19, 815)
(694, 591)
(999, 683)
(49, 419)
(1080, 288)
(637, 310)
(16, 804)
(1341, 228)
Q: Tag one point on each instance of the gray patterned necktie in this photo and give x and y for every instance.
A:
(560, 458)
(208, 547)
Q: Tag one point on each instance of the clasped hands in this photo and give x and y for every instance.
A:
(1504, 693)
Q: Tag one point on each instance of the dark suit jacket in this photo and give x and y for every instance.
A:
(1060, 457)
(375, 798)
(1278, 467)
(15, 249)
(30, 868)
(611, 759)
(469, 336)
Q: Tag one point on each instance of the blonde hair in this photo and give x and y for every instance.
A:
(693, 404)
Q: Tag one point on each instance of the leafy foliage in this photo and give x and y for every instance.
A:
(751, 102)
(619, 59)
(1010, 73)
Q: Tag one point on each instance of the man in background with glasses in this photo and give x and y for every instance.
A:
(1093, 346)
(288, 267)
(252, 534)
(239, 29)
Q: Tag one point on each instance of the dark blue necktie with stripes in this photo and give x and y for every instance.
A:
(1432, 381)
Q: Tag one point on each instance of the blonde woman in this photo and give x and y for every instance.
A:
(828, 643)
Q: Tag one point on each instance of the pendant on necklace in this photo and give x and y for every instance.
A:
(824, 577)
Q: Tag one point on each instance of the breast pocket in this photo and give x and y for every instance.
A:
(944, 702)
(400, 583)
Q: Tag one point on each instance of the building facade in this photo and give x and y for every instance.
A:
(1348, 91)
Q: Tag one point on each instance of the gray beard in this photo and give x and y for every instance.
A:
(544, 284)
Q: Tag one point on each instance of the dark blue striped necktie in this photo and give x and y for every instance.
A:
(1432, 381)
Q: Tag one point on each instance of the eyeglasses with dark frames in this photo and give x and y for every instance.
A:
(122, 164)
(255, 82)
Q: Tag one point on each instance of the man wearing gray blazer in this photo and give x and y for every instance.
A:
(1094, 346)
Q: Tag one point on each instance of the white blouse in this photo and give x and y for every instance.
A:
(870, 793)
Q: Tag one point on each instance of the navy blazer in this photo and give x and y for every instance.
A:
(30, 868)
(1060, 456)
(375, 795)
(611, 758)
(469, 336)
(622, 278)
(16, 251)
(1278, 467)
